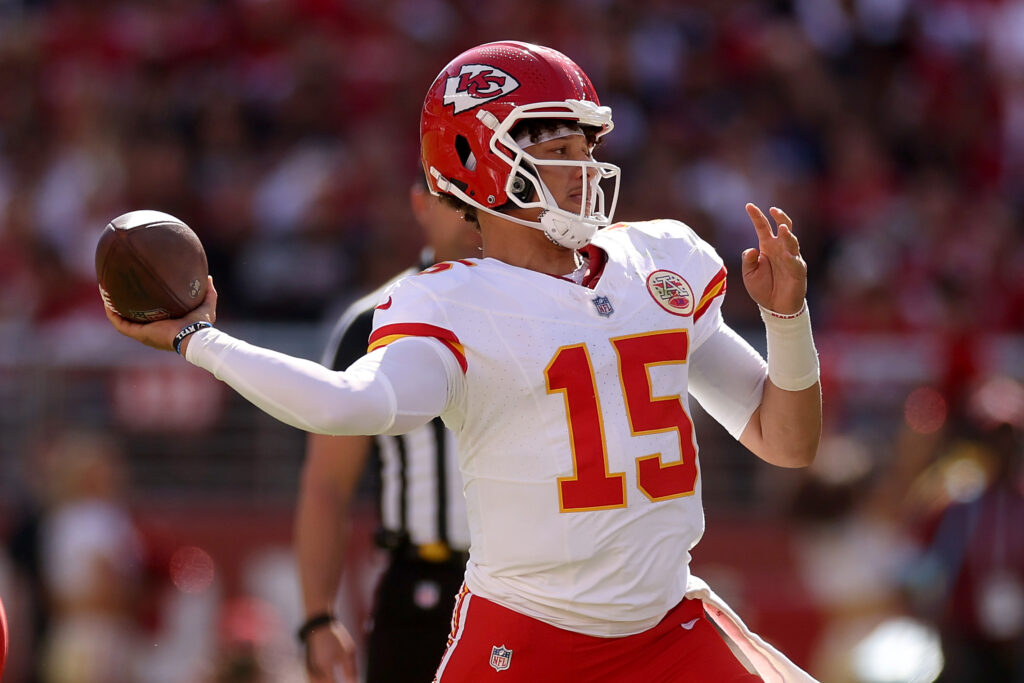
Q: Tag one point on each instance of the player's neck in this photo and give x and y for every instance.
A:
(525, 247)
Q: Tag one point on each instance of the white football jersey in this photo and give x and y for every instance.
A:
(578, 455)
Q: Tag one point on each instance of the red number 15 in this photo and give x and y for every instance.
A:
(592, 486)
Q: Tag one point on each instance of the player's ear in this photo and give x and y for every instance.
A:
(419, 198)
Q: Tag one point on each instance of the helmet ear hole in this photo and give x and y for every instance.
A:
(521, 189)
(462, 148)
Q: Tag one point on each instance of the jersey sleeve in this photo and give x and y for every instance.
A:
(714, 292)
(704, 271)
(411, 309)
(727, 378)
(389, 391)
(711, 279)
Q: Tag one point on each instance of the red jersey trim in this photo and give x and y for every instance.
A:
(598, 258)
(444, 265)
(714, 289)
(387, 334)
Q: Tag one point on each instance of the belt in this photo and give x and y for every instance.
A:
(437, 552)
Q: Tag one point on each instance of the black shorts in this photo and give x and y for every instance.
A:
(412, 616)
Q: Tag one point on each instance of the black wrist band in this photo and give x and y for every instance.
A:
(312, 624)
(187, 330)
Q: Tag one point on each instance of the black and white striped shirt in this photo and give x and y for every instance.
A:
(420, 494)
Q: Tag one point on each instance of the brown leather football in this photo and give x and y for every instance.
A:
(151, 266)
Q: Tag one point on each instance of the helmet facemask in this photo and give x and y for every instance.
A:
(526, 188)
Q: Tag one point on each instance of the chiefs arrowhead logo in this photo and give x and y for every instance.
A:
(476, 84)
(671, 291)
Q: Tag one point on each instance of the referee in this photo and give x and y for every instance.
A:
(422, 510)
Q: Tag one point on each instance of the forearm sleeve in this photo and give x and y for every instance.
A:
(389, 391)
(727, 377)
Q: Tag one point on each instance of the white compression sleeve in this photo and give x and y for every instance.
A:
(391, 390)
(727, 377)
(424, 376)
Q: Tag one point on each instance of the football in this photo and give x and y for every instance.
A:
(151, 266)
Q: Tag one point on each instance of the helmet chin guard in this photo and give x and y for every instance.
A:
(567, 232)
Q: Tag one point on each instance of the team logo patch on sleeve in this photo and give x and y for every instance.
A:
(671, 292)
(501, 657)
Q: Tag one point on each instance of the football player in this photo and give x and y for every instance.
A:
(564, 360)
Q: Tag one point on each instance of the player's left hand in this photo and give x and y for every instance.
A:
(775, 274)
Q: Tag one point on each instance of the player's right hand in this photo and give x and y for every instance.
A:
(775, 274)
(331, 655)
(160, 334)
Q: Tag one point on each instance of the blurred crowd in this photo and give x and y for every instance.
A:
(97, 595)
(285, 132)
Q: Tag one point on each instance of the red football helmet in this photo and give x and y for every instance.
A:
(467, 150)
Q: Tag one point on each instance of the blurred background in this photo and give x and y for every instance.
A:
(145, 511)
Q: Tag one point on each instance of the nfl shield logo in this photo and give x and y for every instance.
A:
(501, 657)
(603, 306)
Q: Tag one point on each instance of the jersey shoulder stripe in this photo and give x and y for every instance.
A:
(716, 287)
(445, 265)
(387, 334)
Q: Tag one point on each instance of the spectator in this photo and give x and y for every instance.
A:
(92, 559)
(970, 577)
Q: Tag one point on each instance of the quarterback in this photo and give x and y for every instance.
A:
(565, 360)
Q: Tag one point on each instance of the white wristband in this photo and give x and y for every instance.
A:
(792, 358)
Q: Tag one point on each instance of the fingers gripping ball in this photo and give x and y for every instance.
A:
(151, 266)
